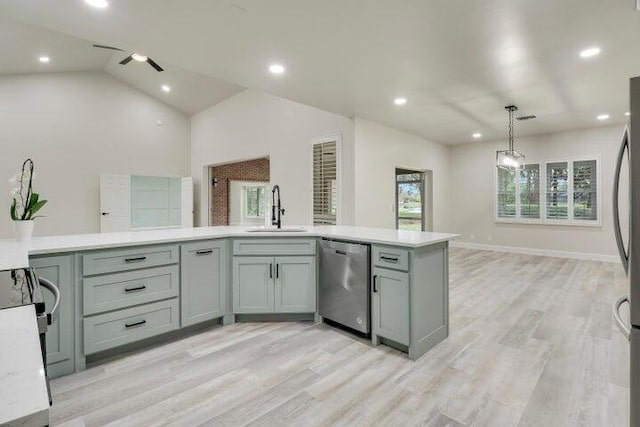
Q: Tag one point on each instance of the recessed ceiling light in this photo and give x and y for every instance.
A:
(590, 52)
(276, 68)
(100, 4)
(477, 135)
(44, 59)
(603, 117)
(627, 114)
(400, 101)
(166, 88)
(138, 57)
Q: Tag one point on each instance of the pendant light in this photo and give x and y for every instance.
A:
(510, 159)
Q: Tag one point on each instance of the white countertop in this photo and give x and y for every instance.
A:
(23, 389)
(15, 255)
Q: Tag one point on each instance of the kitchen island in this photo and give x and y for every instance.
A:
(126, 289)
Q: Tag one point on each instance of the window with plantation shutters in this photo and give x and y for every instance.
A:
(506, 194)
(529, 189)
(325, 183)
(585, 190)
(555, 192)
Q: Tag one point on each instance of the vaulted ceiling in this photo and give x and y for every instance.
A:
(458, 63)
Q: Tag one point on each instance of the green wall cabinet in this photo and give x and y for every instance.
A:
(203, 281)
(60, 341)
(390, 304)
(274, 284)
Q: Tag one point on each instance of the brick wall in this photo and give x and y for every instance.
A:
(251, 170)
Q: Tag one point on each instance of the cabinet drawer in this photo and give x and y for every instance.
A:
(397, 259)
(109, 330)
(121, 290)
(274, 247)
(113, 261)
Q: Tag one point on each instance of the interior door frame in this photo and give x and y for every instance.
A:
(426, 196)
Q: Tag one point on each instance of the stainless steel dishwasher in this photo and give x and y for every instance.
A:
(344, 284)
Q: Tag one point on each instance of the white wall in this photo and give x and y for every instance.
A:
(76, 126)
(253, 124)
(379, 150)
(472, 192)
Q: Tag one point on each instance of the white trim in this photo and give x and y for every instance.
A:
(538, 252)
(337, 138)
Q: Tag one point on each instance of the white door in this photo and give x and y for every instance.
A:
(187, 202)
(115, 203)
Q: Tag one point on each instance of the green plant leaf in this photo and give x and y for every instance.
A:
(36, 207)
(12, 210)
(34, 199)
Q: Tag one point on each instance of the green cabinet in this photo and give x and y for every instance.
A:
(203, 281)
(253, 285)
(295, 284)
(390, 304)
(60, 341)
(274, 284)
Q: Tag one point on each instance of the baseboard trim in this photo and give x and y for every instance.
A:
(539, 252)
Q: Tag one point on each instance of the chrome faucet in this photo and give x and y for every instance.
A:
(276, 210)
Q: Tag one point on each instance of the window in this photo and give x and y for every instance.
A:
(585, 191)
(558, 192)
(254, 201)
(506, 194)
(325, 183)
(530, 191)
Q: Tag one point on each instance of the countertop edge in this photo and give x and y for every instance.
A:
(44, 247)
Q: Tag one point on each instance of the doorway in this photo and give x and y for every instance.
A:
(413, 200)
(237, 192)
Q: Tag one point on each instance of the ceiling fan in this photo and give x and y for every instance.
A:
(135, 56)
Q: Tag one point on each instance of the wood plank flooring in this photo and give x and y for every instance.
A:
(532, 344)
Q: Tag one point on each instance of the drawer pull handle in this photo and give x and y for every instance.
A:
(388, 258)
(204, 252)
(341, 252)
(136, 259)
(137, 288)
(131, 325)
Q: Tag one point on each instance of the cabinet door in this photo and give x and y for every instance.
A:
(203, 279)
(253, 282)
(390, 305)
(60, 341)
(295, 286)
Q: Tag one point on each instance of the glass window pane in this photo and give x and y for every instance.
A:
(254, 197)
(410, 205)
(585, 191)
(557, 186)
(417, 176)
(530, 191)
(506, 193)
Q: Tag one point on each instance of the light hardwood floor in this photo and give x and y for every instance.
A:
(532, 344)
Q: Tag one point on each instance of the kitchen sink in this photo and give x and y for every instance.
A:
(276, 230)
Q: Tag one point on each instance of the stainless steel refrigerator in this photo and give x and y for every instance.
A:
(630, 253)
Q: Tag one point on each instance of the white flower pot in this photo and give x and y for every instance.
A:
(24, 230)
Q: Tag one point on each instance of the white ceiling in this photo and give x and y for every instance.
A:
(22, 44)
(458, 62)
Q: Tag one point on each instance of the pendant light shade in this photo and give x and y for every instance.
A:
(510, 159)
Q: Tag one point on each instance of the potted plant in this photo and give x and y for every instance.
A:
(24, 202)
